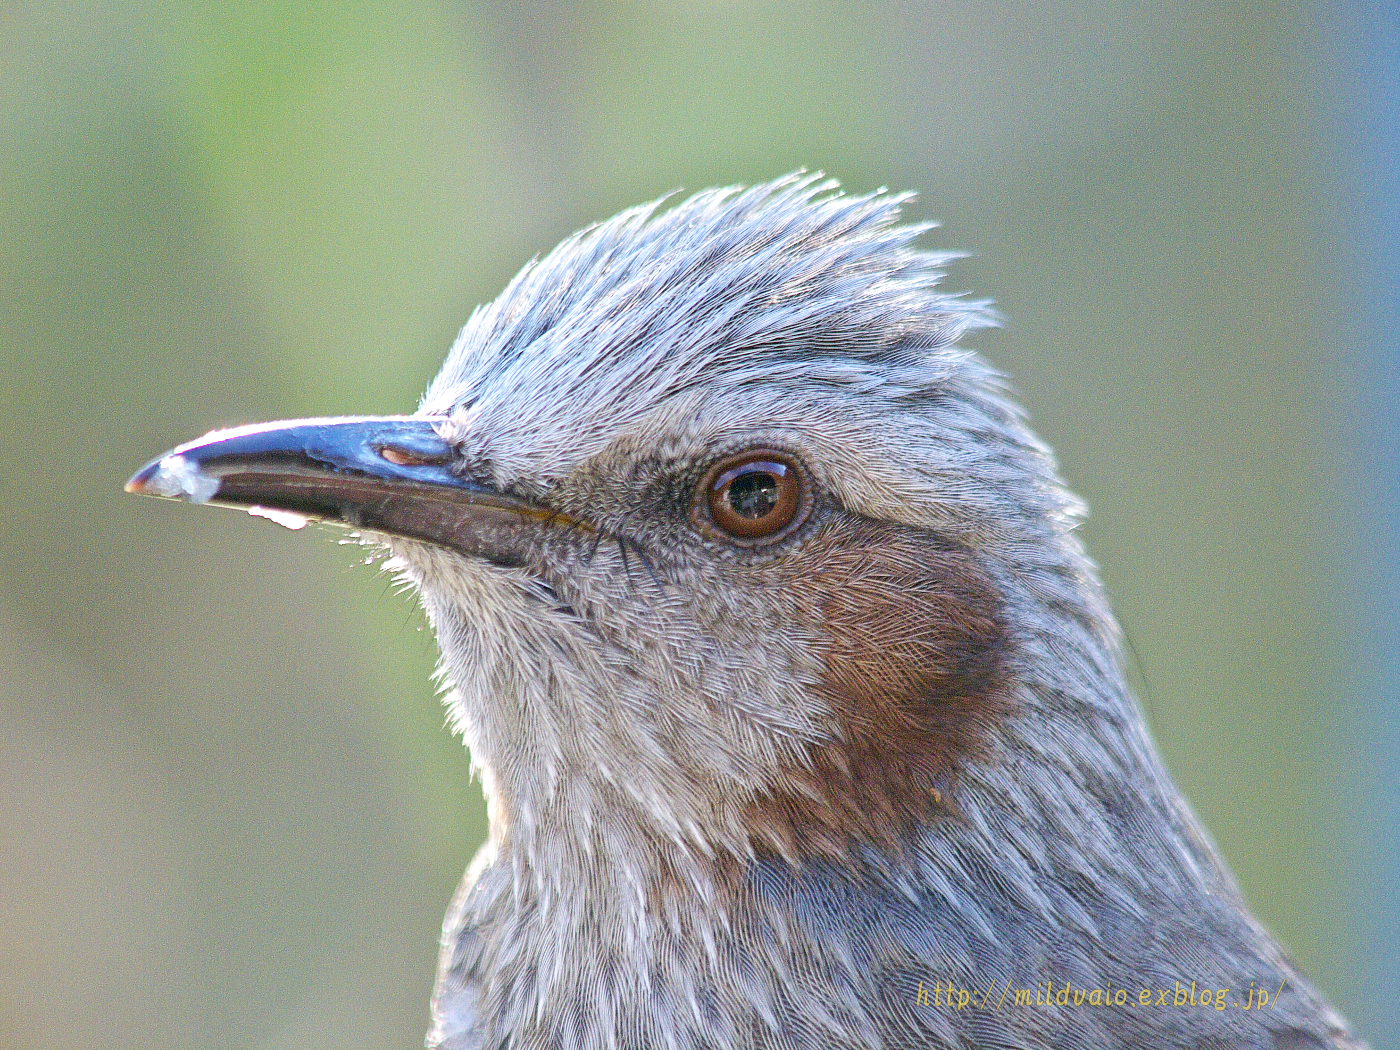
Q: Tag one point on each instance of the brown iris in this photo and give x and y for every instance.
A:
(757, 496)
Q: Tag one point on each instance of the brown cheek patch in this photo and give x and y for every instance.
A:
(915, 654)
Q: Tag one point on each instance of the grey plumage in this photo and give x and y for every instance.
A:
(633, 349)
(702, 757)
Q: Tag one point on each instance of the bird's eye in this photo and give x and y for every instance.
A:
(754, 497)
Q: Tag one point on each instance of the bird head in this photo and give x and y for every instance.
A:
(762, 613)
(724, 537)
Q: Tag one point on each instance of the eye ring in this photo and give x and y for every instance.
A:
(753, 498)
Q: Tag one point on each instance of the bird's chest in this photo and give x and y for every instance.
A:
(597, 969)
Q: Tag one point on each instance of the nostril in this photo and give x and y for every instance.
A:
(407, 458)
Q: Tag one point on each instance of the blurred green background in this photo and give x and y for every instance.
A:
(229, 813)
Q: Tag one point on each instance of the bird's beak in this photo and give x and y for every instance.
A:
(389, 474)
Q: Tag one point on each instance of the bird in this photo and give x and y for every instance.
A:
(797, 703)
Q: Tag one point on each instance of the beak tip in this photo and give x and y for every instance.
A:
(139, 482)
(174, 477)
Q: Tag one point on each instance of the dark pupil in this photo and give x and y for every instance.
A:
(753, 494)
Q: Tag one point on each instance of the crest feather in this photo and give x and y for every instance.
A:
(733, 284)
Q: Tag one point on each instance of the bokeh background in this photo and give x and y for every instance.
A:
(229, 813)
